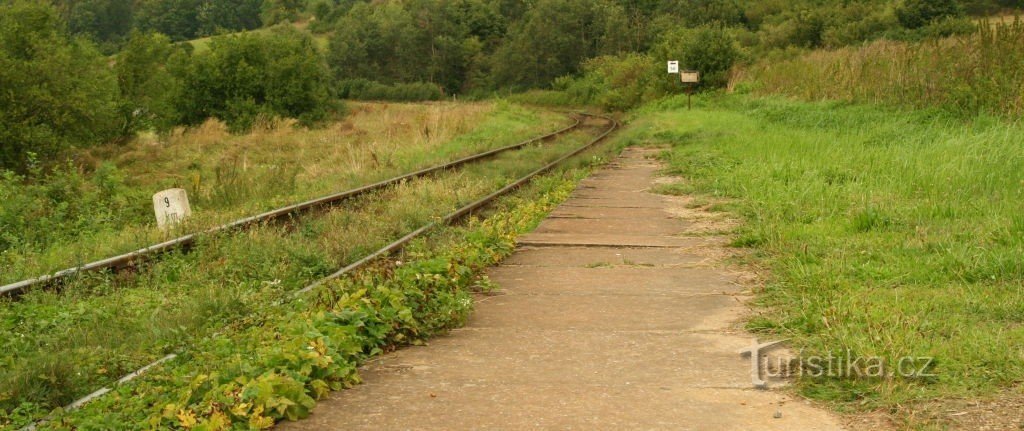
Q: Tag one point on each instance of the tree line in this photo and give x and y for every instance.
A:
(85, 72)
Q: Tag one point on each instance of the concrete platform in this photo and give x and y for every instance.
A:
(610, 316)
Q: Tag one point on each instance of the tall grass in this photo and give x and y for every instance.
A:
(58, 346)
(977, 73)
(51, 223)
(888, 233)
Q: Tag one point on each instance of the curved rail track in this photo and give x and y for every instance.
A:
(183, 242)
(392, 247)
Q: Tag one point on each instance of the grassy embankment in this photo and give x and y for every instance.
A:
(885, 233)
(967, 75)
(60, 346)
(59, 223)
(274, 366)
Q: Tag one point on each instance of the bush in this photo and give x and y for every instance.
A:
(710, 50)
(616, 83)
(919, 13)
(42, 209)
(147, 88)
(364, 89)
(188, 19)
(57, 92)
(241, 77)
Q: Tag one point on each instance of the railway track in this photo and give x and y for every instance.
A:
(386, 250)
(144, 254)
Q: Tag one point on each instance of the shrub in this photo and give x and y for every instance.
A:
(57, 92)
(710, 50)
(616, 83)
(919, 13)
(277, 73)
(146, 86)
(364, 89)
(42, 209)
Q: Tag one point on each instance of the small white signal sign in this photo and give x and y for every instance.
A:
(673, 66)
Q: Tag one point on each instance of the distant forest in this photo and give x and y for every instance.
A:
(487, 44)
(134, 68)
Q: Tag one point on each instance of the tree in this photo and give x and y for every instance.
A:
(379, 42)
(178, 19)
(147, 88)
(105, 21)
(279, 73)
(58, 92)
(278, 11)
(710, 50)
(189, 19)
(695, 13)
(914, 14)
(555, 36)
(221, 16)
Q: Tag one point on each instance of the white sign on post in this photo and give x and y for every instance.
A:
(689, 77)
(171, 207)
(673, 66)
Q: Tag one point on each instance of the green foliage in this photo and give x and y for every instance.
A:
(278, 11)
(616, 83)
(711, 50)
(555, 37)
(242, 77)
(147, 88)
(696, 13)
(224, 16)
(253, 359)
(276, 370)
(362, 89)
(435, 41)
(62, 204)
(966, 75)
(918, 13)
(378, 42)
(188, 19)
(57, 92)
(888, 233)
(106, 21)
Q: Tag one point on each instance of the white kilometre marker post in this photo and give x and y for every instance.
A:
(171, 207)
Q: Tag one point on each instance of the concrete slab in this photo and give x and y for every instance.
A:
(617, 280)
(616, 198)
(600, 257)
(384, 404)
(539, 356)
(666, 226)
(606, 213)
(611, 312)
(607, 240)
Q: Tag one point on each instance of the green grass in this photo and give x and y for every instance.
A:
(887, 233)
(203, 44)
(968, 74)
(273, 362)
(67, 219)
(59, 346)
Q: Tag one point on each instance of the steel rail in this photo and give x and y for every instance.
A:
(146, 253)
(461, 212)
(386, 250)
